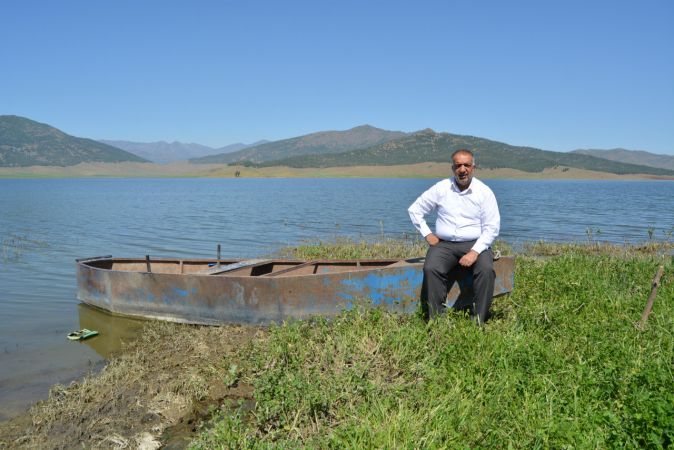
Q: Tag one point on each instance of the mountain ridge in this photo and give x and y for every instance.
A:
(428, 146)
(25, 142)
(320, 142)
(164, 152)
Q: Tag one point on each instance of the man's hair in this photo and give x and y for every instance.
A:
(464, 151)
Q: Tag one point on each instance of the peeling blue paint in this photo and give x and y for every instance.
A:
(347, 296)
(181, 292)
(388, 289)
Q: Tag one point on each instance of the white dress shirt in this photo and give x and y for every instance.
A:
(462, 215)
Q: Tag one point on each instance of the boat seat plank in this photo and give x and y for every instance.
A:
(229, 267)
(290, 269)
(407, 262)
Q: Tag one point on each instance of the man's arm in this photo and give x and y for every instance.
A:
(491, 223)
(423, 205)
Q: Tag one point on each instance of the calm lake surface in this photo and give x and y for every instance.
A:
(46, 224)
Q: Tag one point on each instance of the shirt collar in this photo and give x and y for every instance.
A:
(455, 186)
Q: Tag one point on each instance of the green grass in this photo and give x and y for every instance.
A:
(561, 365)
(384, 248)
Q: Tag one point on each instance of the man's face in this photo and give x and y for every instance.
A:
(463, 169)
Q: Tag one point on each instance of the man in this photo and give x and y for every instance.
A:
(468, 222)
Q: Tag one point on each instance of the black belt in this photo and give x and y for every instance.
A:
(457, 242)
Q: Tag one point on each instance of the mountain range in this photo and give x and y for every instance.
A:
(24, 142)
(429, 146)
(167, 152)
(324, 142)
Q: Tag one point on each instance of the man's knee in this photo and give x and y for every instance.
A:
(484, 263)
(433, 264)
(432, 270)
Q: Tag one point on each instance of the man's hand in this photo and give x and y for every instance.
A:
(432, 239)
(469, 258)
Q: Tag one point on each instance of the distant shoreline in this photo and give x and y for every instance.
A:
(186, 170)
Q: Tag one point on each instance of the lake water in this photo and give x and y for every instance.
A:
(46, 224)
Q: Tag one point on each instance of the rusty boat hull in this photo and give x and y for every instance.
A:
(212, 292)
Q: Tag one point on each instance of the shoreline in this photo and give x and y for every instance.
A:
(140, 398)
(186, 170)
(161, 387)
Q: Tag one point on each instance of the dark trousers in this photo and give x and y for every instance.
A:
(440, 260)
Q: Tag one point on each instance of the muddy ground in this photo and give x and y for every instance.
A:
(155, 393)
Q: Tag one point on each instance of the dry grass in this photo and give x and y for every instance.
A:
(648, 248)
(183, 169)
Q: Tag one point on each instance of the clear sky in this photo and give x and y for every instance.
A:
(556, 75)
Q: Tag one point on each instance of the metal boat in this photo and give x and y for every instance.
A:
(262, 291)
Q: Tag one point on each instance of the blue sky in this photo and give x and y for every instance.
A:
(556, 75)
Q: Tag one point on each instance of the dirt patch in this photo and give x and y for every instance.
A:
(181, 433)
(153, 393)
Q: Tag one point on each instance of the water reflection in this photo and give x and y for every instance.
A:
(113, 330)
(30, 367)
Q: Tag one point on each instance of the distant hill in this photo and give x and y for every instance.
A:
(639, 157)
(167, 152)
(429, 146)
(24, 142)
(236, 147)
(324, 142)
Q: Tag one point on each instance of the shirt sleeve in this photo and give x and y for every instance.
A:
(426, 203)
(491, 223)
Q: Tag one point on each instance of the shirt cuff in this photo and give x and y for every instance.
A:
(479, 247)
(425, 231)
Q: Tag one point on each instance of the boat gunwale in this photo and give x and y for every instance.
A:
(269, 276)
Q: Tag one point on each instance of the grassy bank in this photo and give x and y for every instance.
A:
(560, 365)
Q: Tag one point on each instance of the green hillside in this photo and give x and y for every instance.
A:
(24, 142)
(429, 146)
(324, 142)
